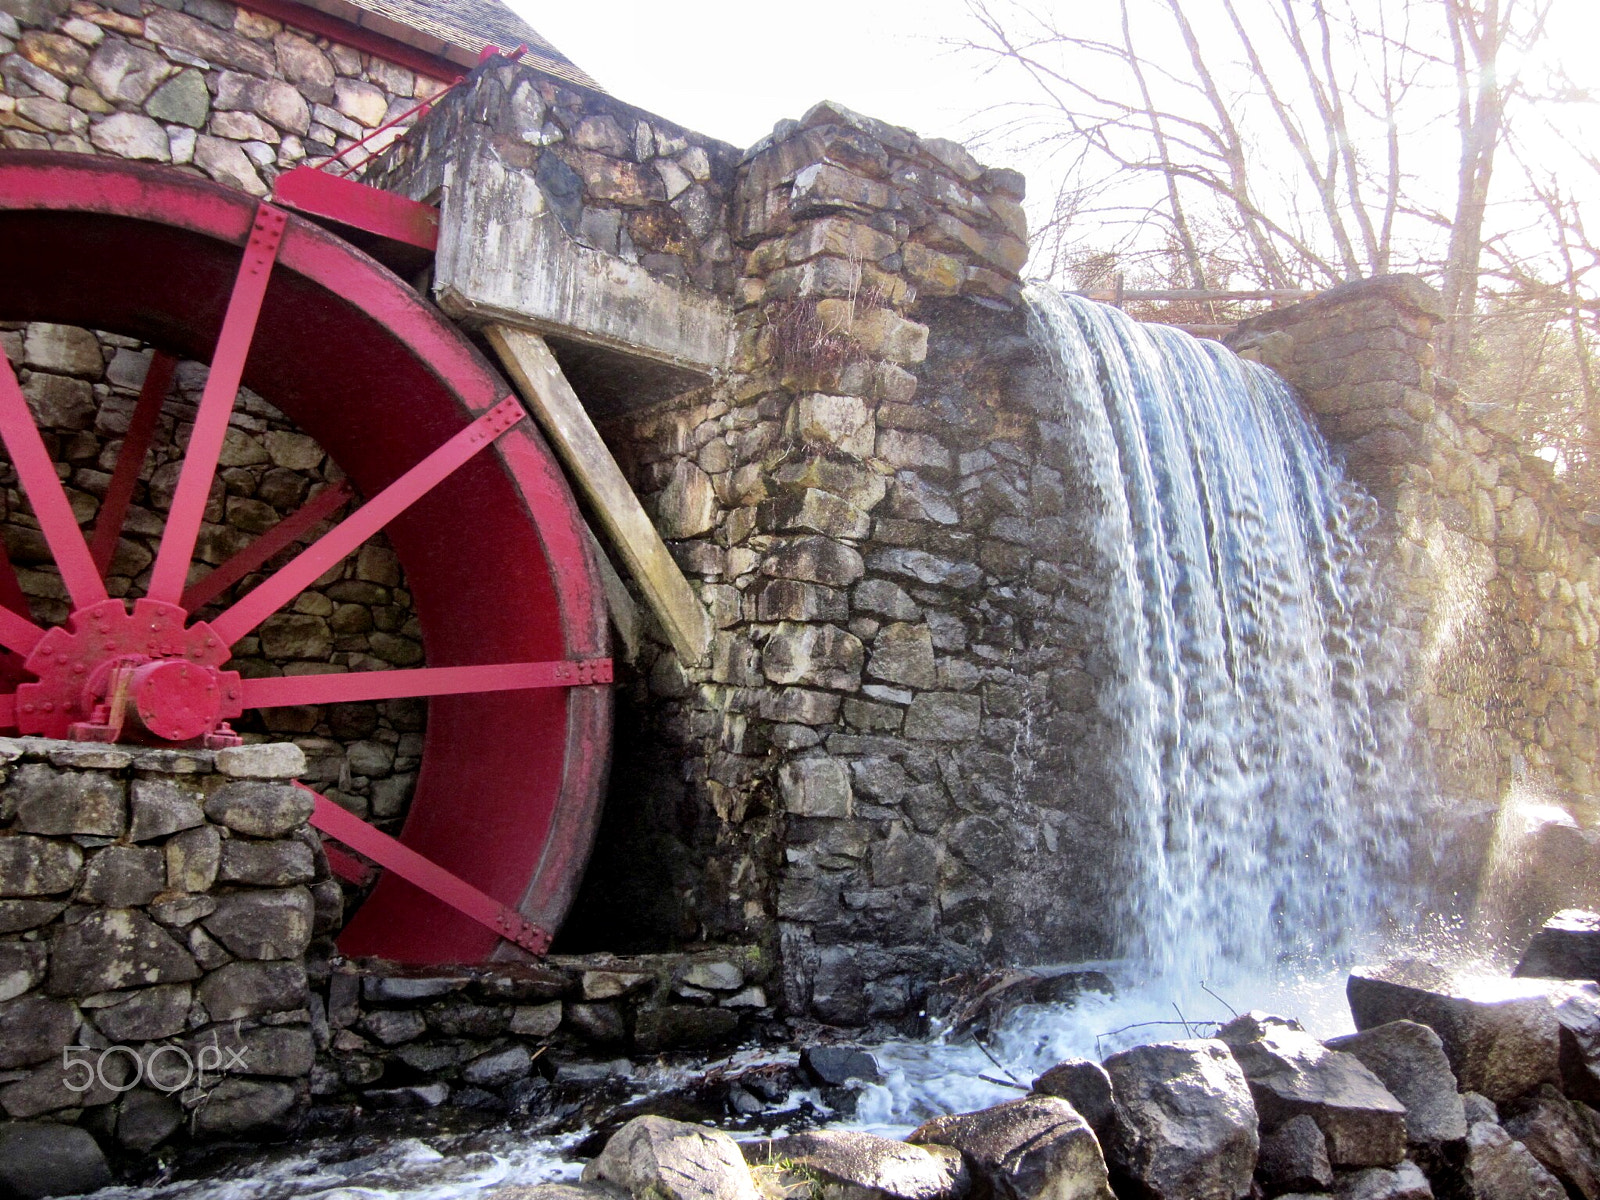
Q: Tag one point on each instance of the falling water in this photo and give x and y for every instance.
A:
(1263, 741)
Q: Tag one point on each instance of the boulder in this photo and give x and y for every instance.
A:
(836, 1066)
(1410, 1060)
(1498, 1168)
(1500, 1035)
(1405, 1182)
(1185, 1126)
(1291, 1073)
(1566, 947)
(1294, 1158)
(1577, 1012)
(1084, 1085)
(654, 1158)
(1036, 1148)
(1563, 1140)
(860, 1160)
(1478, 1107)
(48, 1159)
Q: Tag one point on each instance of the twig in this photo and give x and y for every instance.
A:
(1005, 1083)
(1142, 1025)
(1218, 998)
(1181, 1021)
(977, 1041)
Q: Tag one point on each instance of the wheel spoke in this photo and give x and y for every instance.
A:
(216, 405)
(277, 590)
(130, 460)
(285, 533)
(280, 692)
(11, 595)
(37, 474)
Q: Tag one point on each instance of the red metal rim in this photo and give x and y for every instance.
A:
(496, 556)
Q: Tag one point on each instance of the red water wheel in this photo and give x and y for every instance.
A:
(487, 532)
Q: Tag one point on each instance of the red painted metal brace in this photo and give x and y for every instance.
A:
(316, 193)
(36, 472)
(439, 883)
(171, 571)
(281, 536)
(287, 690)
(130, 460)
(304, 569)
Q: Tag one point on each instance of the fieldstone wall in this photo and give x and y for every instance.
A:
(202, 85)
(522, 1038)
(1495, 562)
(893, 740)
(160, 901)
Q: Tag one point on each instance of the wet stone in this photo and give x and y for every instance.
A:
(1083, 1084)
(146, 1119)
(859, 1160)
(1294, 1158)
(1291, 1073)
(392, 1026)
(499, 1068)
(654, 1158)
(239, 1106)
(1185, 1123)
(50, 1159)
(1567, 946)
(1035, 1148)
(837, 1066)
(1410, 1060)
(664, 1027)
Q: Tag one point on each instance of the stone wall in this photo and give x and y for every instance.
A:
(162, 901)
(1495, 563)
(203, 85)
(522, 1038)
(893, 740)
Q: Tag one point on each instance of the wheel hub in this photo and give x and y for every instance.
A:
(110, 675)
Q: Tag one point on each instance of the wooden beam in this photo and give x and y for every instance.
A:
(533, 368)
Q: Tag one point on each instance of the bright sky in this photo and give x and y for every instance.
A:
(733, 68)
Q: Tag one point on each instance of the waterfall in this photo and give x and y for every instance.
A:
(1264, 775)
